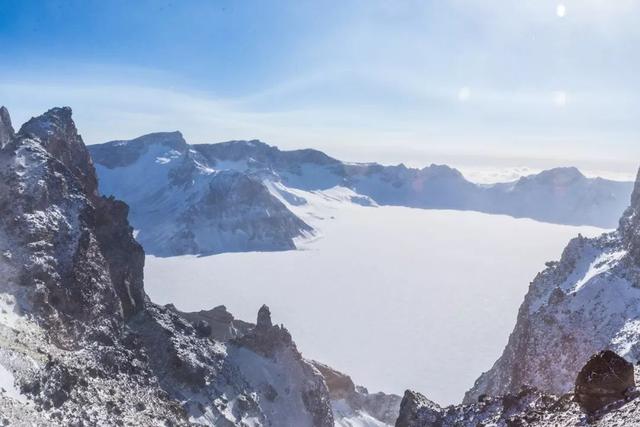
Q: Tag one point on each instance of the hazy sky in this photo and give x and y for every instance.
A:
(489, 82)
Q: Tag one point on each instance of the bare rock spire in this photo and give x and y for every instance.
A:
(6, 130)
(264, 318)
(57, 133)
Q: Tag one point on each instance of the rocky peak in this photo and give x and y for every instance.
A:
(266, 338)
(75, 252)
(57, 133)
(417, 411)
(264, 318)
(6, 130)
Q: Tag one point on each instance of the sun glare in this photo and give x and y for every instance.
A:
(464, 93)
(560, 98)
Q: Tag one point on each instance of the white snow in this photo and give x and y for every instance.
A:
(602, 264)
(7, 382)
(346, 416)
(396, 297)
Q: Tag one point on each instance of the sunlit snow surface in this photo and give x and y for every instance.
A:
(396, 297)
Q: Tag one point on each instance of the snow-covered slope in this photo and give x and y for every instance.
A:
(586, 302)
(180, 204)
(211, 198)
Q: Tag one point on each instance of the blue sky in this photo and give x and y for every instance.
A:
(498, 83)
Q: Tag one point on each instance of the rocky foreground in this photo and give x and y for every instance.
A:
(586, 302)
(80, 341)
(605, 395)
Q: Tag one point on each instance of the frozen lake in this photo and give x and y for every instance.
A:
(397, 298)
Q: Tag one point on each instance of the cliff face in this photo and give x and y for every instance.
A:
(69, 249)
(80, 340)
(586, 302)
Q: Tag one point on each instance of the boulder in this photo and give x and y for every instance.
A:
(605, 379)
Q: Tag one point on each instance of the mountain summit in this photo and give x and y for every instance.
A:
(181, 204)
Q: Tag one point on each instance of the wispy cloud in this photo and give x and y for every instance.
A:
(372, 80)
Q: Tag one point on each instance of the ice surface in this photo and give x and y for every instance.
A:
(396, 297)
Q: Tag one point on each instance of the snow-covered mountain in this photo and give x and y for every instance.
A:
(82, 344)
(181, 204)
(210, 198)
(80, 341)
(588, 301)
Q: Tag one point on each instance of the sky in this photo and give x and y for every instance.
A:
(480, 84)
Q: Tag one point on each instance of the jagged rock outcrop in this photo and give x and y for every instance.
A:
(586, 302)
(605, 379)
(6, 129)
(350, 404)
(416, 410)
(216, 323)
(606, 404)
(80, 342)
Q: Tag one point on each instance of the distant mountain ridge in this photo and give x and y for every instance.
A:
(181, 205)
(212, 198)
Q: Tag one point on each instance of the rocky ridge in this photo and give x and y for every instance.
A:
(586, 302)
(80, 340)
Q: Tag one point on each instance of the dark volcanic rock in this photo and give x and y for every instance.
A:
(266, 339)
(264, 318)
(6, 130)
(124, 256)
(605, 379)
(417, 411)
